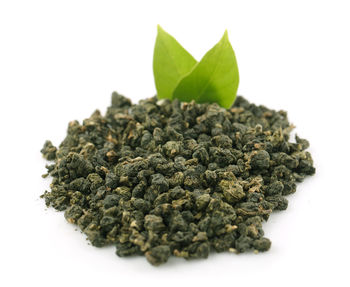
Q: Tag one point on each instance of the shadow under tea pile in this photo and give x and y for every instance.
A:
(164, 178)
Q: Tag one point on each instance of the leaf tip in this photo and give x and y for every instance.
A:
(225, 35)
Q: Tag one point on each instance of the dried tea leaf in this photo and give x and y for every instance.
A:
(164, 179)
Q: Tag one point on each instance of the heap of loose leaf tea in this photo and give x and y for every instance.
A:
(164, 178)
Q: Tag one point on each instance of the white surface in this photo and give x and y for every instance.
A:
(59, 60)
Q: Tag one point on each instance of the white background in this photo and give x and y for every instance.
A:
(60, 60)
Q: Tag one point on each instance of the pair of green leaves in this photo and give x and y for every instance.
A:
(178, 75)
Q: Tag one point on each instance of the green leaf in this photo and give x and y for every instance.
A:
(214, 79)
(170, 63)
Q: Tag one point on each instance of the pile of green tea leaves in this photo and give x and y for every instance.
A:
(166, 178)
